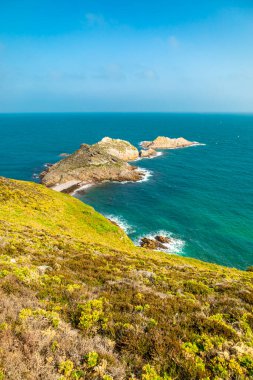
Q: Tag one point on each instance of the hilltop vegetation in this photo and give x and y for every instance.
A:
(79, 301)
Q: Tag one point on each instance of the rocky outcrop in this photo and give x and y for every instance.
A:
(88, 165)
(147, 153)
(163, 239)
(119, 148)
(162, 142)
(157, 243)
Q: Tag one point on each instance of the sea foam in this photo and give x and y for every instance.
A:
(158, 154)
(82, 189)
(175, 246)
(121, 222)
(146, 174)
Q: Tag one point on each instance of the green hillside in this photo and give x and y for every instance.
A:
(79, 301)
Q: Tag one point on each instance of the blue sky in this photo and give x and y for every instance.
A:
(97, 55)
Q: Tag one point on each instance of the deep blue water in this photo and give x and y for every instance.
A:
(201, 196)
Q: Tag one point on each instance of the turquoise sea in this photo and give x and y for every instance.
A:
(200, 196)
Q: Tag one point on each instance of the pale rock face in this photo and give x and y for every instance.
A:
(119, 148)
(162, 142)
(145, 153)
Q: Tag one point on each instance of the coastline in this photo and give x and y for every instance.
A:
(77, 187)
(179, 168)
(106, 161)
(80, 188)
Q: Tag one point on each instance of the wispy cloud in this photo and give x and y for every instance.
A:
(95, 19)
(173, 42)
(57, 75)
(112, 72)
(147, 74)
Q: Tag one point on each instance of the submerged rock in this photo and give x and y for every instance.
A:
(162, 142)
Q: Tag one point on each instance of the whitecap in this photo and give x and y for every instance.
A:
(197, 144)
(82, 188)
(158, 154)
(121, 222)
(175, 246)
(146, 174)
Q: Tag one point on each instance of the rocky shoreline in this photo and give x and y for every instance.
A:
(106, 161)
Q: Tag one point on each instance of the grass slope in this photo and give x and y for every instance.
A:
(79, 301)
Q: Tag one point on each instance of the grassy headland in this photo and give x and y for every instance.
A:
(79, 301)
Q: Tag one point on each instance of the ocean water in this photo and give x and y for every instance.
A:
(202, 197)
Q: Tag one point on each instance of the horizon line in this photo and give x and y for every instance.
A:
(131, 112)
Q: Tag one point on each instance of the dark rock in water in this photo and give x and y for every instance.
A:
(163, 239)
(148, 243)
(151, 244)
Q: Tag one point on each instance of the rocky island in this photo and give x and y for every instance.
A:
(162, 142)
(92, 164)
(107, 160)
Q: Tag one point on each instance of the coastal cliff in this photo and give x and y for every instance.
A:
(80, 301)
